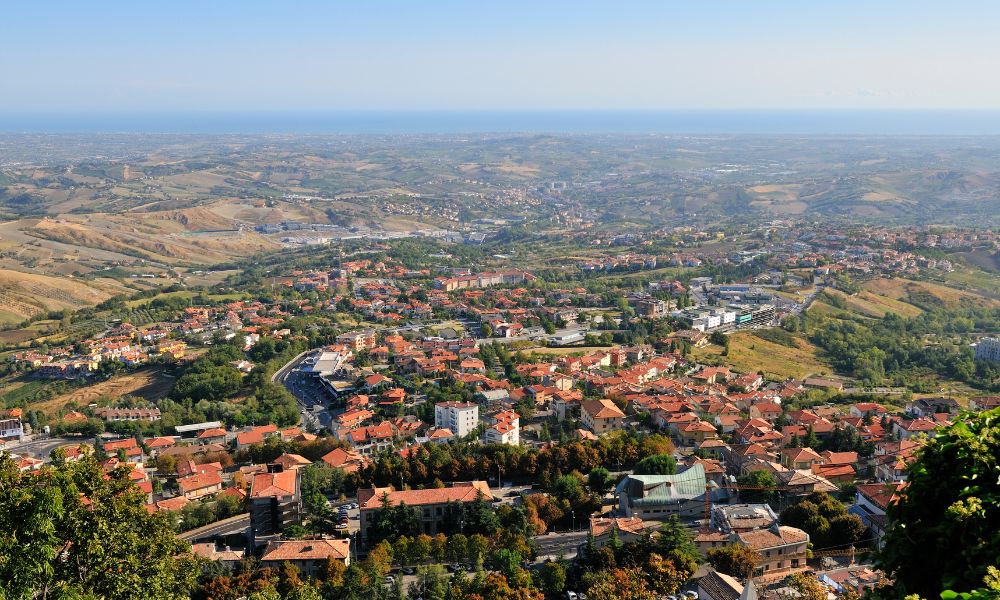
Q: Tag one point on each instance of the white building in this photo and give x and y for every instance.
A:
(460, 417)
(988, 349)
(11, 429)
(505, 428)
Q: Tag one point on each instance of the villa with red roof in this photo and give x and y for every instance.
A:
(430, 504)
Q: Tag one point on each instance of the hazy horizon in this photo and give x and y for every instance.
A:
(670, 122)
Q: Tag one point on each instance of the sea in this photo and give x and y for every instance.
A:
(694, 122)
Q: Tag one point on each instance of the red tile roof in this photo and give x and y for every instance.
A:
(460, 492)
(270, 485)
(290, 550)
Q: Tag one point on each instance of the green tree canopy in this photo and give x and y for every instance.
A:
(67, 531)
(943, 531)
(658, 464)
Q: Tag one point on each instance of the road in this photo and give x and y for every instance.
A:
(229, 526)
(554, 544)
(41, 447)
(307, 393)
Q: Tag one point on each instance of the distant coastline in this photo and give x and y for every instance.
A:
(677, 122)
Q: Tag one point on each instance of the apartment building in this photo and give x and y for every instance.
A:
(460, 417)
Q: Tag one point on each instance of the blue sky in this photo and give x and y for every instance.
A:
(506, 54)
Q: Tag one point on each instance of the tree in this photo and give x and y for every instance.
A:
(942, 529)
(613, 584)
(552, 577)
(826, 521)
(599, 480)
(808, 586)
(658, 464)
(734, 559)
(69, 532)
(758, 479)
(675, 540)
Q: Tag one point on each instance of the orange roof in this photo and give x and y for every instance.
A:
(270, 485)
(290, 550)
(347, 460)
(458, 492)
(255, 435)
(772, 537)
(602, 409)
(634, 525)
(160, 442)
(289, 460)
(439, 434)
(172, 503)
(199, 481)
(212, 433)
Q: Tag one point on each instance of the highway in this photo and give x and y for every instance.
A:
(229, 526)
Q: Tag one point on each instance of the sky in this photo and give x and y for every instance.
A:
(94, 56)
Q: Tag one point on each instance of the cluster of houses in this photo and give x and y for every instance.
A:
(133, 346)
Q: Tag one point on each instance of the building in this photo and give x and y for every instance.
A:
(988, 349)
(657, 497)
(482, 280)
(128, 414)
(460, 417)
(11, 429)
(601, 416)
(310, 556)
(275, 502)
(719, 586)
(729, 518)
(505, 428)
(780, 547)
(430, 503)
(349, 461)
(199, 485)
(628, 530)
(871, 500)
(358, 340)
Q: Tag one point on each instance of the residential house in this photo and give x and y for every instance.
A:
(200, 484)
(781, 548)
(309, 556)
(800, 458)
(628, 530)
(348, 460)
(601, 416)
(871, 501)
(256, 435)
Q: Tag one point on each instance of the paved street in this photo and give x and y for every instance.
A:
(232, 525)
(41, 447)
(554, 544)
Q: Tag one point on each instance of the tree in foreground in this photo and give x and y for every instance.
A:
(942, 532)
(738, 561)
(67, 531)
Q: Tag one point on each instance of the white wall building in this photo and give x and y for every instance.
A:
(988, 349)
(460, 417)
(11, 429)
